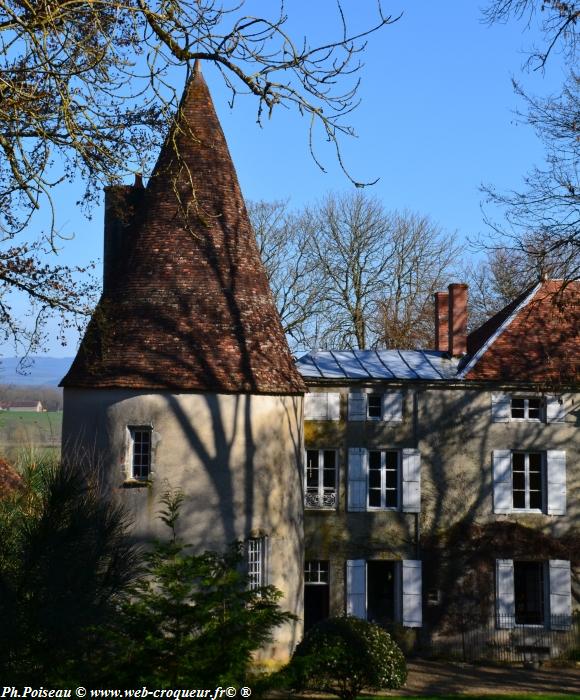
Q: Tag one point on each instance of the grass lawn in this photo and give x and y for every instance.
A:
(510, 696)
(28, 428)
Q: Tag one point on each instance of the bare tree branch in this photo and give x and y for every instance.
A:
(85, 90)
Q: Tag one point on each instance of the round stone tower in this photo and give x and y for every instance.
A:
(184, 378)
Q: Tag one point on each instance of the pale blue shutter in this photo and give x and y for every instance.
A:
(412, 595)
(505, 602)
(393, 407)
(556, 463)
(555, 409)
(411, 481)
(356, 588)
(333, 407)
(501, 408)
(560, 594)
(357, 479)
(357, 406)
(315, 406)
(502, 481)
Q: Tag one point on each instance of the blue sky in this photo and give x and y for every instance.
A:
(436, 121)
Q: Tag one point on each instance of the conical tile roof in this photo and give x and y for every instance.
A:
(186, 302)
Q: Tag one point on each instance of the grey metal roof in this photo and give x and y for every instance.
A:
(429, 365)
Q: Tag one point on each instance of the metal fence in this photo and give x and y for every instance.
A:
(504, 640)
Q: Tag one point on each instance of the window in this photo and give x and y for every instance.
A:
(316, 592)
(533, 593)
(550, 408)
(529, 595)
(316, 573)
(385, 591)
(384, 480)
(528, 480)
(383, 491)
(140, 452)
(374, 406)
(320, 489)
(381, 591)
(526, 408)
(256, 556)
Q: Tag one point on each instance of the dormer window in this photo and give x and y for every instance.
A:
(526, 408)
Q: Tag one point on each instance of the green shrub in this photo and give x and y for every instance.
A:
(343, 655)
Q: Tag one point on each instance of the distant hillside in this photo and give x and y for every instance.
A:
(38, 371)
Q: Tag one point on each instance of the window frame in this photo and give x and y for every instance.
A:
(527, 490)
(383, 487)
(320, 492)
(320, 571)
(256, 553)
(374, 395)
(132, 430)
(526, 408)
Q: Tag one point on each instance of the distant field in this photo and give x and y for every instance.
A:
(25, 429)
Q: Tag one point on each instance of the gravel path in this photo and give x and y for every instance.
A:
(432, 678)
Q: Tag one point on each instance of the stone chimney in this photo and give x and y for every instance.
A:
(442, 321)
(457, 319)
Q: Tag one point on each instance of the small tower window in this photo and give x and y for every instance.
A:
(256, 562)
(140, 457)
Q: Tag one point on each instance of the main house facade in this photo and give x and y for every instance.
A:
(379, 484)
(414, 457)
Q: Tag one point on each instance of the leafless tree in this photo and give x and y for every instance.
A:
(349, 248)
(378, 270)
(558, 20)
(497, 281)
(423, 259)
(542, 219)
(86, 92)
(297, 288)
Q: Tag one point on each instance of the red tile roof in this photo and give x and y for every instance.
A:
(538, 342)
(188, 306)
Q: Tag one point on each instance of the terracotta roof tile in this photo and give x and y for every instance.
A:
(540, 345)
(186, 305)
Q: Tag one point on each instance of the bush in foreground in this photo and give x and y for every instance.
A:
(343, 655)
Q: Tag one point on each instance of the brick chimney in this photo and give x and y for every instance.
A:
(442, 321)
(121, 204)
(457, 319)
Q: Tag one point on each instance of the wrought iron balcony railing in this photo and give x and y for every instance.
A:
(317, 500)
